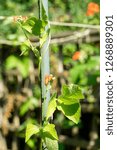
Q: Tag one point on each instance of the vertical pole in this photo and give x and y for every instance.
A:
(45, 70)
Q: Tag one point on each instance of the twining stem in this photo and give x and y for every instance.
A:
(39, 11)
(41, 144)
(39, 67)
(40, 8)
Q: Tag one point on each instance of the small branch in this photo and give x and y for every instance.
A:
(77, 37)
(86, 36)
(74, 25)
(55, 23)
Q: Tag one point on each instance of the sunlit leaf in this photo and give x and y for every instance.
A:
(29, 24)
(51, 144)
(50, 132)
(36, 52)
(51, 107)
(72, 112)
(70, 94)
(44, 14)
(34, 26)
(43, 39)
(31, 130)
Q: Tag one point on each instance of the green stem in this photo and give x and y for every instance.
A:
(40, 8)
(41, 144)
(39, 67)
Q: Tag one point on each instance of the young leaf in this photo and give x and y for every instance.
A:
(72, 90)
(43, 39)
(50, 132)
(30, 22)
(51, 144)
(38, 28)
(72, 112)
(27, 43)
(44, 15)
(67, 100)
(71, 94)
(25, 47)
(31, 130)
(51, 107)
(34, 26)
(36, 52)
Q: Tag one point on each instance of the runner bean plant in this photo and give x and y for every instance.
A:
(68, 102)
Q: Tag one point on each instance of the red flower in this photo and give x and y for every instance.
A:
(76, 56)
(92, 9)
(49, 78)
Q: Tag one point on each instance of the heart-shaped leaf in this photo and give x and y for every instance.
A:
(51, 107)
(72, 112)
(50, 132)
(71, 94)
(31, 130)
(51, 144)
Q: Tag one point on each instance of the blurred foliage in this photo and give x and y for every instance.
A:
(64, 11)
(84, 71)
(22, 65)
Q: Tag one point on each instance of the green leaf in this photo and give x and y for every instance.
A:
(50, 132)
(31, 143)
(43, 39)
(25, 47)
(36, 52)
(67, 100)
(51, 107)
(27, 43)
(38, 28)
(71, 94)
(34, 26)
(72, 112)
(28, 46)
(31, 130)
(44, 15)
(72, 90)
(30, 22)
(51, 144)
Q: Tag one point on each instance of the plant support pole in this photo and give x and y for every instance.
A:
(45, 70)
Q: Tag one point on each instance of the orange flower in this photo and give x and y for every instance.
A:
(49, 78)
(21, 18)
(92, 9)
(76, 56)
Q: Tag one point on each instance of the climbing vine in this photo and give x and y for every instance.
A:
(69, 100)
